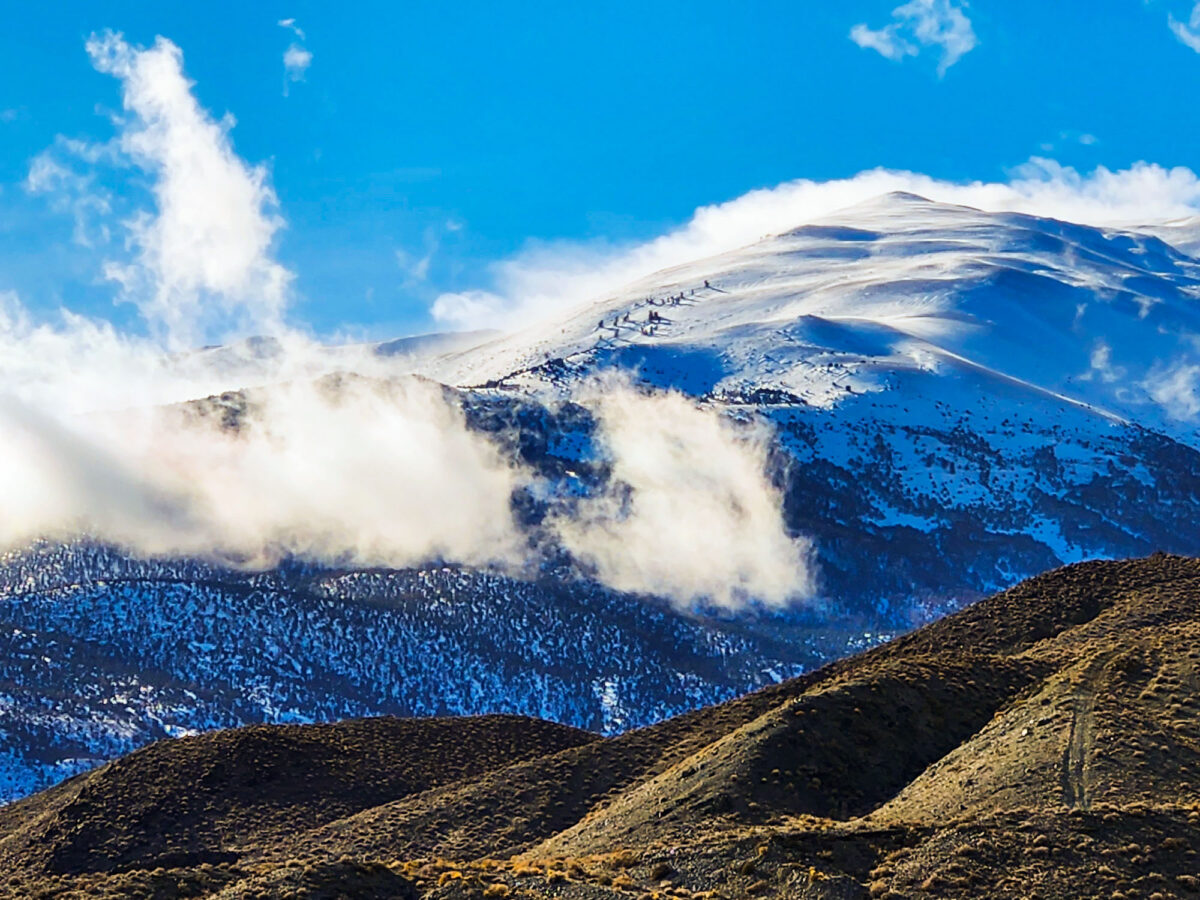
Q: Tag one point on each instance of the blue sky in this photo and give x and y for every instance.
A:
(425, 142)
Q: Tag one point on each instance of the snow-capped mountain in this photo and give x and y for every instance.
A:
(893, 289)
(960, 398)
(957, 400)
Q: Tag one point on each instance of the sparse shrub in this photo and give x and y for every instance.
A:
(623, 859)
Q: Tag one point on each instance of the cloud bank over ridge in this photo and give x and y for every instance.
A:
(332, 457)
(548, 277)
(371, 469)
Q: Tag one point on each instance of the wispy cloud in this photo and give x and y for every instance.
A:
(296, 58)
(1101, 365)
(1068, 137)
(887, 42)
(290, 25)
(416, 266)
(919, 24)
(1176, 388)
(1187, 32)
(296, 61)
(65, 174)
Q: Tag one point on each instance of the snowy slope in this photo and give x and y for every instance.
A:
(895, 286)
(101, 653)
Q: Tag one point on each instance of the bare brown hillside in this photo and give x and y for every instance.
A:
(1043, 743)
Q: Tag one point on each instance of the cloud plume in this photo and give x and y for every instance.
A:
(202, 261)
(1176, 388)
(690, 514)
(1187, 32)
(101, 437)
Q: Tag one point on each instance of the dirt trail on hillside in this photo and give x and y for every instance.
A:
(1082, 739)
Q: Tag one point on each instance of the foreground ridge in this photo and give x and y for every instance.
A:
(1044, 741)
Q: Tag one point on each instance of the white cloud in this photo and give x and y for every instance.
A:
(375, 473)
(75, 193)
(290, 25)
(66, 174)
(1101, 365)
(327, 466)
(203, 255)
(887, 42)
(296, 61)
(690, 514)
(364, 469)
(473, 309)
(921, 23)
(46, 174)
(548, 276)
(1082, 138)
(296, 58)
(416, 268)
(1189, 32)
(1176, 388)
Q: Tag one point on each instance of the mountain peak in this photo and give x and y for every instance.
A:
(897, 203)
(904, 197)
